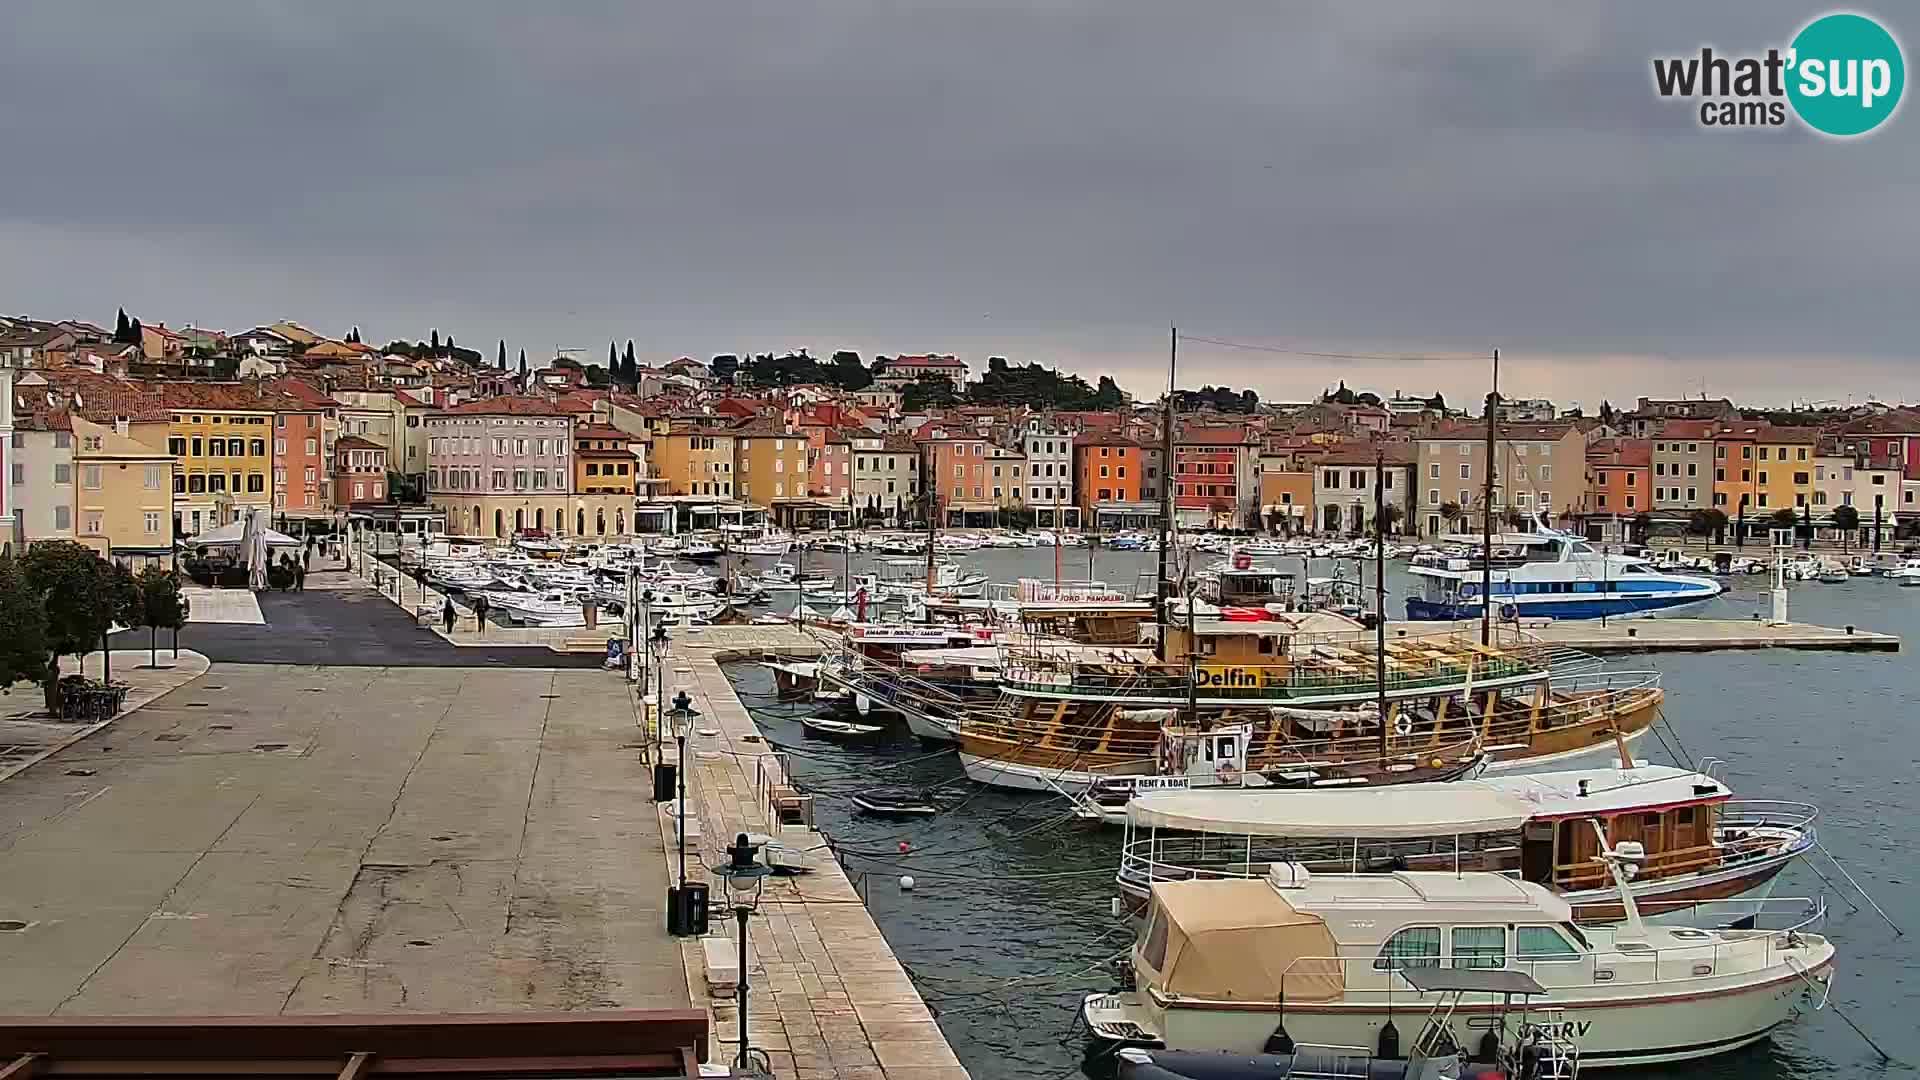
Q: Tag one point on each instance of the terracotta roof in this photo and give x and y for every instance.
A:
(764, 425)
(1103, 438)
(599, 431)
(1195, 435)
(43, 419)
(507, 405)
(1896, 422)
(305, 392)
(408, 401)
(1686, 429)
(1362, 453)
(1525, 432)
(1762, 432)
(926, 361)
(1624, 453)
(355, 442)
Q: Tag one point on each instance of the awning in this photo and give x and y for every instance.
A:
(233, 532)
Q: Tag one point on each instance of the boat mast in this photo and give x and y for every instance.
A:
(1486, 543)
(1166, 500)
(1380, 589)
(933, 509)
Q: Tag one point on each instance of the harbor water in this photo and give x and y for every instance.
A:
(1009, 923)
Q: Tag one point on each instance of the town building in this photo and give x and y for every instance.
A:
(1619, 478)
(1344, 479)
(770, 463)
(695, 458)
(359, 471)
(1286, 496)
(1047, 442)
(901, 370)
(602, 462)
(501, 466)
(123, 494)
(1847, 473)
(957, 467)
(221, 437)
(1682, 462)
(1650, 413)
(886, 476)
(1215, 475)
(40, 474)
(1109, 473)
(1542, 469)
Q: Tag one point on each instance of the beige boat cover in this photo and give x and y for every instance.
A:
(1242, 941)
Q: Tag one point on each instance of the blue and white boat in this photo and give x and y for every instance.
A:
(1551, 574)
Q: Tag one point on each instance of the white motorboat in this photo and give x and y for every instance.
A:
(1555, 575)
(700, 551)
(1324, 959)
(551, 608)
(1907, 573)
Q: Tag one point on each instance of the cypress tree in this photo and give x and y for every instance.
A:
(121, 328)
(503, 354)
(523, 363)
(436, 341)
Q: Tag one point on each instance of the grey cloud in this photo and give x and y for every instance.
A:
(1053, 181)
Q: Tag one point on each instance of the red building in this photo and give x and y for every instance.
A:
(359, 471)
(1214, 474)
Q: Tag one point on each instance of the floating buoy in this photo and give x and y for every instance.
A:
(906, 882)
(905, 847)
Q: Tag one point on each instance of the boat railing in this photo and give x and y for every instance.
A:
(1208, 856)
(1315, 669)
(1370, 978)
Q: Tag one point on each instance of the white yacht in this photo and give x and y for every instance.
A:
(1907, 573)
(1322, 959)
(1550, 574)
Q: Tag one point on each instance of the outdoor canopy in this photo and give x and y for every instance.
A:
(1242, 941)
(232, 533)
(1418, 811)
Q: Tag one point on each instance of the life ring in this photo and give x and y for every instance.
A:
(1403, 725)
(1509, 612)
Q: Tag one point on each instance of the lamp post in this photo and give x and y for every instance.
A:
(657, 646)
(742, 877)
(682, 727)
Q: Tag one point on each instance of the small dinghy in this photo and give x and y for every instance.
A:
(895, 804)
(839, 729)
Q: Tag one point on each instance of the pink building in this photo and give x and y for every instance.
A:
(498, 461)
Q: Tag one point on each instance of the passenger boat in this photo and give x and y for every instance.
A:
(1700, 844)
(1558, 576)
(872, 666)
(1307, 686)
(1331, 959)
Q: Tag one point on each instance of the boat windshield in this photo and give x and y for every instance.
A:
(1574, 933)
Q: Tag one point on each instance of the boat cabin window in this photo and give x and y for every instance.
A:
(1155, 951)
(1225, 743)
(1479, 946)
(1573, 932)
(1266, 645)
(1636, 568)
(1416, 946)
(1542, 943)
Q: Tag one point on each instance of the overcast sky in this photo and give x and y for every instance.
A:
(1052, 181)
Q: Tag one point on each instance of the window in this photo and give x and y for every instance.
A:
(179, 484)
(153, 522)
(196, 484)
(1540, 943)
(1433, 470)
(89, 476)
(1690, 494)
(256, 482)
(1465, 449)
(238, 448)
(1480, 947)
(177, 446)
(1799, 478)
(63, 518)
(1416, 946)
(1466, 471)
(1120, 472)
(1629, 479)
(152, 480)
(63, 474)
(1433, 496)
(216, 481)
(1801, 454)
(1719, 451)
(215, 447)
(1763, 453)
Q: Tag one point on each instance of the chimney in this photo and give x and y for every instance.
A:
(121, 424)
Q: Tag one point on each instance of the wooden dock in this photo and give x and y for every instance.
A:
(828, 998)
(1683, 635)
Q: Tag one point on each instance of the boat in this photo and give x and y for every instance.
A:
(839, 729)
(1558, 576)
(894, 804)
(1329, 959)
(871, 665)
(1701, 844)
(700, 551)
(1308, 687)
(1831, 572)
(550, 608)
(1907, 573)
(1536, 1047)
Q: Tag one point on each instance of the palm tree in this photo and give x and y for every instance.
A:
(1450, 513)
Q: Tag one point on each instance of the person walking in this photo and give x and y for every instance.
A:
(449, 614)
(480, 612)
(299, 578)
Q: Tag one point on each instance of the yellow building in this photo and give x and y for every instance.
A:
(1783, 468)
(770, 463)
(226, 463)
(699, 460)
(123, 494)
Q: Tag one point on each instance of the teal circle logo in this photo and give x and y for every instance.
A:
(1845, 74)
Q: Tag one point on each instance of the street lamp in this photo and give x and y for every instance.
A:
(657, 646)
(682, 727)
(742, 877)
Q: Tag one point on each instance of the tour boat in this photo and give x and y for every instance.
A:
(700, 551)
(1308, 686)
(1332, 959)
(1558, 576)
(1701, 844)
(871, 667)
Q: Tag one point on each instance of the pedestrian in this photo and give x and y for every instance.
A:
(480, 612)
(299, 578)
(307, 559)
(449, 614)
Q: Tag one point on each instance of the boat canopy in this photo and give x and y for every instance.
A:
(975, 656)
(1418, 811)
(1242, 941)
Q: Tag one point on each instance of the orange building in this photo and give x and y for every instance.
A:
(602, 463)
(303, 463)
(958, 467)
(1733, 461)
(1619, 477)
(1107, 470)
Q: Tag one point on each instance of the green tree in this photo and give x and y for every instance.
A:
(122, 329)
(1107, 396)
(162, 607)
(613, 359)
(1785, 518)
(847, 372)
(80, 599)
(724, 367)
(1847, 520)
(501, 359)
(1709, 521)
(597, 377)
(1607, 414)
(1437, 403)
(435, 342)
(523, 363)
(1392, 515)
(23, 642)
(630, 368)
(928, 390)
(1642, 527)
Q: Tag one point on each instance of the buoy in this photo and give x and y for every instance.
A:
(906, 882)
(905, 847)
